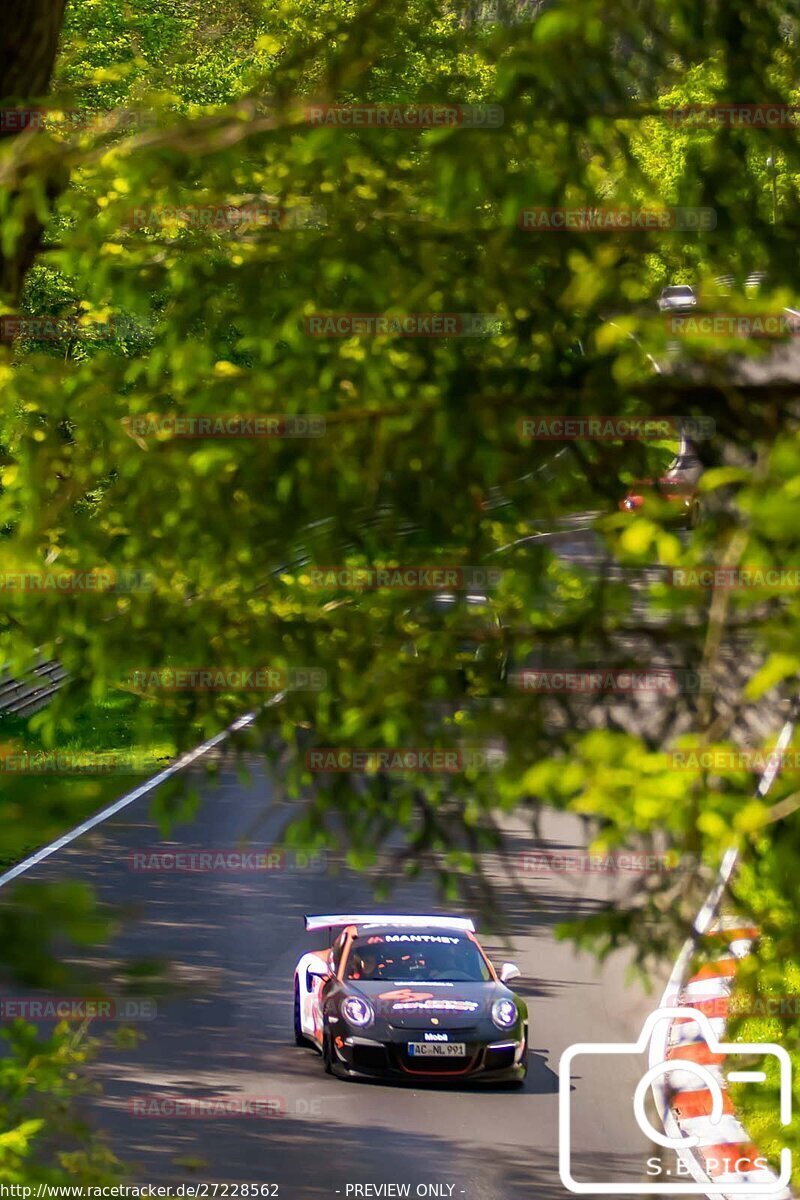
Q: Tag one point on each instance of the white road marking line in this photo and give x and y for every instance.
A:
(149, 785)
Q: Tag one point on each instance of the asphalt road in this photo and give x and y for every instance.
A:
(233, 939)
(224, 1038)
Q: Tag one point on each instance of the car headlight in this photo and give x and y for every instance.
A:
(504, 1013)
(357, 1011)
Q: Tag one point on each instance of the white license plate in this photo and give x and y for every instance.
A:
(437, 1049)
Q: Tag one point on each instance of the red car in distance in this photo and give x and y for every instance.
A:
(678, 486)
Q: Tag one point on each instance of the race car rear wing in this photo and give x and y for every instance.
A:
(338, 920)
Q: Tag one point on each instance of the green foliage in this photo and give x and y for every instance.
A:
(765, 1000)
(420, 432)
(43, 1140)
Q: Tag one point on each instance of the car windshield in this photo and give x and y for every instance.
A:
(675, 292)
(418, 957)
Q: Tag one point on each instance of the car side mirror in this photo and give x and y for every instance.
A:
(311, 975)
(509, 971)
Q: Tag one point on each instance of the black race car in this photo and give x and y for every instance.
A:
(409, 998)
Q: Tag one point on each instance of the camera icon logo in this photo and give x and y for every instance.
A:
(706, 1078)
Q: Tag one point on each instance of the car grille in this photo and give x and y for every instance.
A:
(369, 1058)
(436, 1066)
(463, 1025)
(499, 1060)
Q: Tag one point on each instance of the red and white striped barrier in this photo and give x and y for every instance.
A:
(685, 1109)
(724, 1152)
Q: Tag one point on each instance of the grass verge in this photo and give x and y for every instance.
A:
(46, 788)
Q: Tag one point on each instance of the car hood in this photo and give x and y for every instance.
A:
(425, 1005)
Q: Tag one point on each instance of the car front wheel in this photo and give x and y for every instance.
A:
(327, 1052)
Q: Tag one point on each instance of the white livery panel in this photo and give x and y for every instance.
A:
(310, 1013)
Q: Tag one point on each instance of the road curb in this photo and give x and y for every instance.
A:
(684, 1108)
(725, 1152)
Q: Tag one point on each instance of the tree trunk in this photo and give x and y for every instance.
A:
(31, 31)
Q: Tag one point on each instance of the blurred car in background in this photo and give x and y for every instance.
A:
(459, 634)
(677, 298)
(678, 486)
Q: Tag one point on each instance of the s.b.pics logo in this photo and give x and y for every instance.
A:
(698, 1067)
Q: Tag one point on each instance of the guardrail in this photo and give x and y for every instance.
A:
(22, 697)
